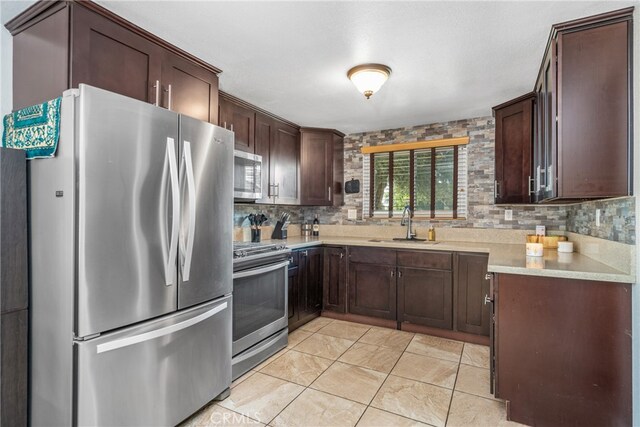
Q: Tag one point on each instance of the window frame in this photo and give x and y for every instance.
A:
(371, 152)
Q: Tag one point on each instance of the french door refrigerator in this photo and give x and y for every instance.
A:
(131, 265)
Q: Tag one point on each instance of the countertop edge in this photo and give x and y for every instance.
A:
(472, 248)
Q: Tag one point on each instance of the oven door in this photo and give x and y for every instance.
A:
(259, 304)
(247, 176)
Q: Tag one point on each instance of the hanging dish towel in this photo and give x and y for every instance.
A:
(35, 129)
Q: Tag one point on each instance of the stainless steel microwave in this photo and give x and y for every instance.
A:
(247, 176)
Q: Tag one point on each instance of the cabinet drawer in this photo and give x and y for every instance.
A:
(294, 258)
(425, 259)
(372, 256)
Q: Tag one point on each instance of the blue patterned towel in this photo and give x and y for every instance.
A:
(35, 129)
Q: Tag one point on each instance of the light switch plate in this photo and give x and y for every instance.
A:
(508, 215)
(352, 214)
(597, 217)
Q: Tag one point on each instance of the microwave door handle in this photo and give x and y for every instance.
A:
(175, 208)
(261, 270)
(192, 211)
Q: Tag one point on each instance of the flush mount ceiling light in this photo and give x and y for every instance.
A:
(369, 78)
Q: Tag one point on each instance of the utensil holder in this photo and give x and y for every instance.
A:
(279, 232)
(255, 235)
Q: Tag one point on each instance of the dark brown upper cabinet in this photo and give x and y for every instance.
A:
(241, 120)
(59, 45)
(513, 150)
(583, 131)
(322, 166)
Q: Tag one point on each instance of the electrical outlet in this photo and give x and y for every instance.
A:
(352, 214)
(597, 217)
(508, 215)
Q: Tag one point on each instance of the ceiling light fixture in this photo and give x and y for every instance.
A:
(369, 78)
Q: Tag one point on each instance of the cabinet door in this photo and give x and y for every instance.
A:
(240, 120)
(316, 168)
(425, 297)
(311, 295)
(593, 111)
(189, 89)
(549, 125)
(264, 135)
(334, 288)
(292, 297)
(284, 165)
(372, 290)
(338, 171)
(473, 315)
(513, 150)
(110, 57)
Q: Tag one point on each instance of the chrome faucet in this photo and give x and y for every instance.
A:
(408, 213)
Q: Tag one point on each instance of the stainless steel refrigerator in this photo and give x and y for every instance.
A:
(131, 265)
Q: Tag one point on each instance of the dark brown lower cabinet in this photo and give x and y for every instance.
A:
(305, 286)
(292, 297)
(425, 297)
(311, 282)
(372, 290)
(334, 288)
(563, 350)
(472, 289)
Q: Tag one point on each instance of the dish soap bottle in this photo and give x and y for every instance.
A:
(316, 226)
(431, 234)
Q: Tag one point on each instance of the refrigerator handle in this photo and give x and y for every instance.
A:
(147, 336)
(175, 209)
(186, 269)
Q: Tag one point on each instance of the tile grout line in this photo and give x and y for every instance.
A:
(454, 385)
(309, 386)
(385, 380)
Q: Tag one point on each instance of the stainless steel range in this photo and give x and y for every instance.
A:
(260, 314)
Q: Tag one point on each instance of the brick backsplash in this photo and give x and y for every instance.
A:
(619, 214)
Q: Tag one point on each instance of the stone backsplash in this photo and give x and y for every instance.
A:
(617, 219)
(618, 215)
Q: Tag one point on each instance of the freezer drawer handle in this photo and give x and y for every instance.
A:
(186, 267)
(147, 336)
(262, 270)
(175, 208)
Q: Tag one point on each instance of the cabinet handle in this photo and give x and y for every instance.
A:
(400, 274)
(225, 125)
(393, 273)
(157, 88)
(290, 260)
(231, 127)
(487, 276)
(303, 253)
(329, 193)
(276, 193)
(531, 185)
(496, 193)
(341, 255)
(169, 97)
(487, 300)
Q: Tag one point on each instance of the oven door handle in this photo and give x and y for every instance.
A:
(261, 270)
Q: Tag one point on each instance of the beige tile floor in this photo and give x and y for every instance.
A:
(336, 373)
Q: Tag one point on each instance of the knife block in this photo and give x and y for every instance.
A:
(279, 232)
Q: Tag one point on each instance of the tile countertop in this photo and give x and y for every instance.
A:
(503, 258)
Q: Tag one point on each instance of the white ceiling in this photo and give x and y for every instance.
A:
(450, 60)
